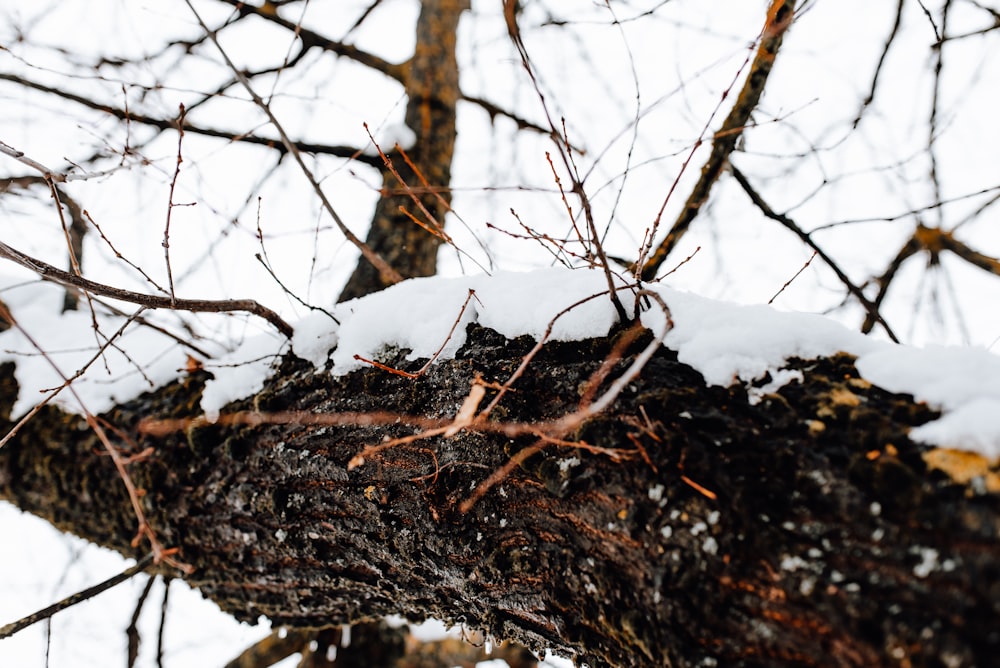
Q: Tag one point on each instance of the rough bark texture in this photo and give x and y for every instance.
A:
(433, 92)
(803, 530)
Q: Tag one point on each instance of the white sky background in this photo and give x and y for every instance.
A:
(684, 55)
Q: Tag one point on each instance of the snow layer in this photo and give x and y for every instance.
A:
(726, 342)
(50, 347)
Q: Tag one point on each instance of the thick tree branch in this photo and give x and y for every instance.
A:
(683, 525)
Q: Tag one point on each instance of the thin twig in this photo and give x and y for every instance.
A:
(780, 15)
(388, 274)
(792, 279)
(55, 275)
(164, 604)
(561, 140)
(68, 602)
(170, 199)
(881, 62)
(130, 116)
(132, 631)
(870, 307)
(267, 268)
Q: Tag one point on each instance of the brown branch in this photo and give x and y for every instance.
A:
(779, 19)
(788, 223)
(911, 247)
(268, 651)
(984, 262)
(347, 152)
(388, 274)
(312, 39)
(68, 602)
(934, 241)
(64, 278)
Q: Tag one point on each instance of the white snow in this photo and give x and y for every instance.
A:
(139, 360)
(418, 314)
(241, 372)
(727, 343)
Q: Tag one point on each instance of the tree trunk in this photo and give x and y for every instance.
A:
(433, 92)
(687, 527)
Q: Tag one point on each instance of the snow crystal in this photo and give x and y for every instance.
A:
(928, 562)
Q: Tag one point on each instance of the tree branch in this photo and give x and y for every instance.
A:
(779, 19)
(340, 151)
(870, 307)
(312, 39)
(79, 597)
(50, 273)
(720, 532)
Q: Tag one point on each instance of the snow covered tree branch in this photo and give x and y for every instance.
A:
(584, 458)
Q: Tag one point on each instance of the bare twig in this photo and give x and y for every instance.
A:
(132, 631)
(792, 279)
(170, 200)
(68, 602)
(131, 116)
(561, 140)
(388, 274)
(870, 307)
(164, 604)
(50, 273)
(881, 62)
(267, 268)
(779, 18)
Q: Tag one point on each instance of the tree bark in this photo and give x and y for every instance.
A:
(687, 527)
(432, 88)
